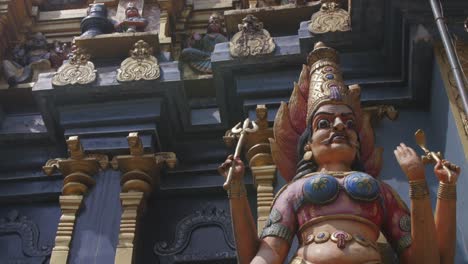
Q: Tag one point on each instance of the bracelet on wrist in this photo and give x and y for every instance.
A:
(418, 189)
(447, 191)
(237, 190)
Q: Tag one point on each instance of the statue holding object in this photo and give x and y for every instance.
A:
(198, 53)
(332, 203)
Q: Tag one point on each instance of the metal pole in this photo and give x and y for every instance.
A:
(451, 55)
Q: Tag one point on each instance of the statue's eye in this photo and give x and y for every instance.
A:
(350, 124)
(323, 123)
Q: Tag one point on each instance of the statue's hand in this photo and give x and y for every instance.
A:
(410, 162)
(441, 173)
(239, 168)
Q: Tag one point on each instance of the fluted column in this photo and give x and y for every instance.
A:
(77, 170)
(140, 173)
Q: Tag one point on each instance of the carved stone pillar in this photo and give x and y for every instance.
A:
(264, 177)
(70, 204)
(140, 173)
(77, 170)
(131, 205)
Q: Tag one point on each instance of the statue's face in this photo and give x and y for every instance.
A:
(214, 24)
(132, 12)
(262, 114)
(37, 41)
(334, 137)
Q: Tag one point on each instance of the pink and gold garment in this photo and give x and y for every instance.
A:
(351, 195)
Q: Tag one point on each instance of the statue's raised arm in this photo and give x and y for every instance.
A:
(333, 202)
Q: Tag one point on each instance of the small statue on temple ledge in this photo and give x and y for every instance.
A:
(198, 54)
(59, 53)
(334, 203)
(133, 22)
(29, 58)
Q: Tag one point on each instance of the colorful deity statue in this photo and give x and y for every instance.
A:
(29, 58)
(133, 22)
(198, 53)
(333, 202)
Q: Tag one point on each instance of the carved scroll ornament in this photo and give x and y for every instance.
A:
(78, 70)
(141, 65)
(28, 233)
(330, 18)
(210, 216)
(251, 40)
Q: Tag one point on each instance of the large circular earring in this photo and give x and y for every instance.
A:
(308, 155)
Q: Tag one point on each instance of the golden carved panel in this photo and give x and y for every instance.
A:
(79, 70)
(251, 40)
(141, 65)
(330, 18)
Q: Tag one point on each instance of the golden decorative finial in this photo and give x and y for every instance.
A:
(75, 148)
(135, 144)
(262, 117)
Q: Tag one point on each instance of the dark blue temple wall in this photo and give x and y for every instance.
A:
(442, 135)
(97, 227)
(27, 231)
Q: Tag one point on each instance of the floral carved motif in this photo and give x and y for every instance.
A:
(330, 18)
(78, 70)
(251, 40)
(141, 65)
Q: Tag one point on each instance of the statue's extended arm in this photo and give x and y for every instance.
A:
(250, 249)
(423, 230)
(245, 232)
(446, 214)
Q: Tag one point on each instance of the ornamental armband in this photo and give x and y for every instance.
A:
(276, 229)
